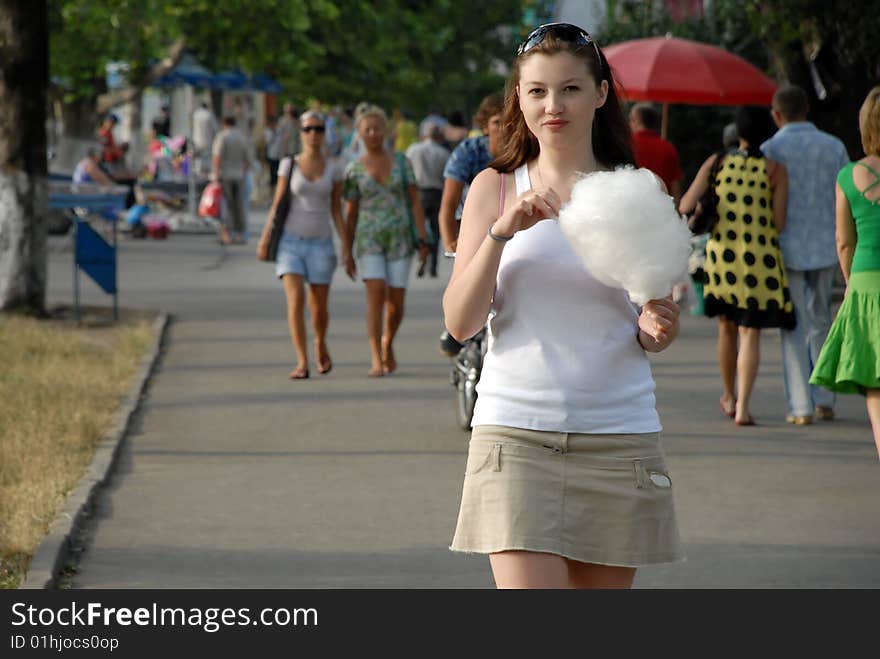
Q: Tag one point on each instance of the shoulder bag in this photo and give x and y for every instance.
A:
(279, 217)
(704, 217)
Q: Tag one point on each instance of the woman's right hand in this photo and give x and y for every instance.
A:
(530, 208)
(263, 250)
(350, 267)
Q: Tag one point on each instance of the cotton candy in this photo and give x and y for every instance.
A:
(627, 232)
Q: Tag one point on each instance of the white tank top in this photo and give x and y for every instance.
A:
(562, 350)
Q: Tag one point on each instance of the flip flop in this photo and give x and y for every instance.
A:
(325, 366)
(300, 373)
(745, 422)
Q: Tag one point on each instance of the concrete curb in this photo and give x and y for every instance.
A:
(56, 548)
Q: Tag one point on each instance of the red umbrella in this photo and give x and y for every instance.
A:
(673, 70)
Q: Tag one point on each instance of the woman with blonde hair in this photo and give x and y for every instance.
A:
(382, 210)
(850, 358)
(306, 253)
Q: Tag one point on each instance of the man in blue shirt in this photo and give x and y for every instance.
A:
(813, 158)
(468, 159)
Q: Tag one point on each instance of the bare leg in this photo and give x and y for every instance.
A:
(528, 569)
(747, 369)
(872, 400)
(393, 317)
(318, 295)
(375, 306)
(295, 292)
(590, 575)
(727, 363)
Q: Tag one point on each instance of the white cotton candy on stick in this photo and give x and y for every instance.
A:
(627, 232)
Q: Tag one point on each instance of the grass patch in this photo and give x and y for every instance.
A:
(60, 384)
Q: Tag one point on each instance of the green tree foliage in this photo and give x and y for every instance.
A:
(408, 53)
(830, 49)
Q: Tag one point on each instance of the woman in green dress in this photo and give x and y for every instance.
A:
(850, 358)
(746, 288)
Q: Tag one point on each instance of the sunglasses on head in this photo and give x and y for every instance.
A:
(564, 32)
(309, 129)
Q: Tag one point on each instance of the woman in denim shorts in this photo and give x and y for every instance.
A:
(306, 252)
(380, 229)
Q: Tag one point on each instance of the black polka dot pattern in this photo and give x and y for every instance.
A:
(744, 274)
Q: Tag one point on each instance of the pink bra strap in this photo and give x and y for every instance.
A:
(501, 203)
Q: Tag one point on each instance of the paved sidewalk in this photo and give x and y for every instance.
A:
(234, 476)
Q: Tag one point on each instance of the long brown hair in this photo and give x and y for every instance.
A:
(612, 140)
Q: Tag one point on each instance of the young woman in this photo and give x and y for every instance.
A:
(306, 253)
(378, 189)
(850, 358)
(747, 287)
(566, 483)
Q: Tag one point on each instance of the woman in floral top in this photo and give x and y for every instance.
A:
(380, 228)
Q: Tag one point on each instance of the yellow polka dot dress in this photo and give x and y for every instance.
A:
(745, 274)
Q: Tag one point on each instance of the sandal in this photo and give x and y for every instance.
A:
(748, 421)
(300, 373)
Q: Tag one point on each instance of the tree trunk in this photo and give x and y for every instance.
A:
(24, 76)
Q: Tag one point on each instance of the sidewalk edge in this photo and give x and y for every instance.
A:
(55, 548)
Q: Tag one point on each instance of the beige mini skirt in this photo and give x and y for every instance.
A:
(604, 499)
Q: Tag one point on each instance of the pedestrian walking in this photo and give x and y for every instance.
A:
(271, 149)
(112, 155)
(288, 132)
(652, 151)
(850, 359)
(204, 131)
(812, 159)
(468, 159)
(746, 285)
(382, 203)
(428, 158)
(566, 483)
(162, 122)
(230, 162)
(306, 254)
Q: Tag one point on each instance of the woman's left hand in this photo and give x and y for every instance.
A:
(658, 324)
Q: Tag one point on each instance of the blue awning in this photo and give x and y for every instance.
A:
(189, 71)
(264, 83)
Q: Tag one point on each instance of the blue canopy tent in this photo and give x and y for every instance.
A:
(187, 71)
(190, 72)
(262, 82)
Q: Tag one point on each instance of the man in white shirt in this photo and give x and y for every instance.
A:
(428, 159)
(204, 130)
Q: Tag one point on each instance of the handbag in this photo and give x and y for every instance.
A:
(209, 203)
(704, 217)
(279, 217)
